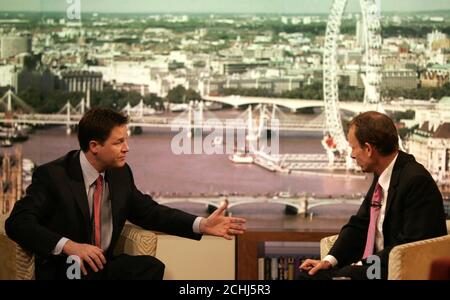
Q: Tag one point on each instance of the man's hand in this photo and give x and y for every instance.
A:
(87, 253)
(219, 225)
(313, 266)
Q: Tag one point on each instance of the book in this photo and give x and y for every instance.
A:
(281, 268)
(267, 268)
(261, 268)
(274, 268)
(290, 268)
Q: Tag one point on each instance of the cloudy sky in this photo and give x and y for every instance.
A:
(215, 6)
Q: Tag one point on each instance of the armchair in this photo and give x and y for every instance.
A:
(421, 253)
(17, 263)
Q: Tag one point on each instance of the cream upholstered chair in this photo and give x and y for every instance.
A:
(17, 263)
(411, 261)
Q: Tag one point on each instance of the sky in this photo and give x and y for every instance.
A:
(215, 6)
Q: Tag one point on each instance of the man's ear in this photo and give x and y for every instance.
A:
(369, 149)
(94, 146)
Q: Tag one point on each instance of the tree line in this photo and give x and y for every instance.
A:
(346, 93)
(313, 91)
(53, 101)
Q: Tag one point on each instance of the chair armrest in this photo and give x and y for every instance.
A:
(326, 243)
(136, 241)
(18, 263)
(15, 262)
(412, 261)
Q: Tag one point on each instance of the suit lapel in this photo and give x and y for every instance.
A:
(78, 188)
(402, 159)
(391, 195)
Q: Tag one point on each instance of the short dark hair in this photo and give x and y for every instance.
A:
(376, 129)
(97, 125)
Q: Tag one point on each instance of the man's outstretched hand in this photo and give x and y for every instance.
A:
(218, 224)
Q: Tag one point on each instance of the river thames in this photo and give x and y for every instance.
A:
(160, 172)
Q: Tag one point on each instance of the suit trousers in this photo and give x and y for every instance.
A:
(127, 267)
(347, 272)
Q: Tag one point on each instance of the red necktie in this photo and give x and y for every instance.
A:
(374, 213)
(97, 210)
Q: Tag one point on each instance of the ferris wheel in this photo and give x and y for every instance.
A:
(371, 70)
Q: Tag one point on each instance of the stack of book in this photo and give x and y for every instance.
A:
(281, 260)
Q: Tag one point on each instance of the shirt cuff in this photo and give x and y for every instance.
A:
(331, 259)
(196, 225)
(59, 246)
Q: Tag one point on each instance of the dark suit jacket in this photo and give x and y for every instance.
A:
(414, 211)
(56, 206)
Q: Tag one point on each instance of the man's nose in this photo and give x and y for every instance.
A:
(125, 147)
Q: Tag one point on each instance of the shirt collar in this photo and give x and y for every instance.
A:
(385, 178)
(90, 174)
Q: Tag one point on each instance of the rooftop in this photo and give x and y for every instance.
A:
(443, 131)
(440, 67)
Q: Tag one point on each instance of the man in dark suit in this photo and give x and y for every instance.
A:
(402, 205)
(78, 204)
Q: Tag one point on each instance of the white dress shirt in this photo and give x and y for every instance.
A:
(384, 180)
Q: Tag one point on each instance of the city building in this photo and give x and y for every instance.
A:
(430, 145)
(81, 81)
(360, 33)
(126, 72)
(130, 87)
(239, 68)
(405, 79)
(433, 79)
(440, 44)
(351, 76)
(37, 80)
(440, 69)
(435, 36)
(11, 46)
(435, 76)
(215, 86)
(6, 75)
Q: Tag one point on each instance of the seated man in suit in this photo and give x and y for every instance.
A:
(402, 205)
(78, 204)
